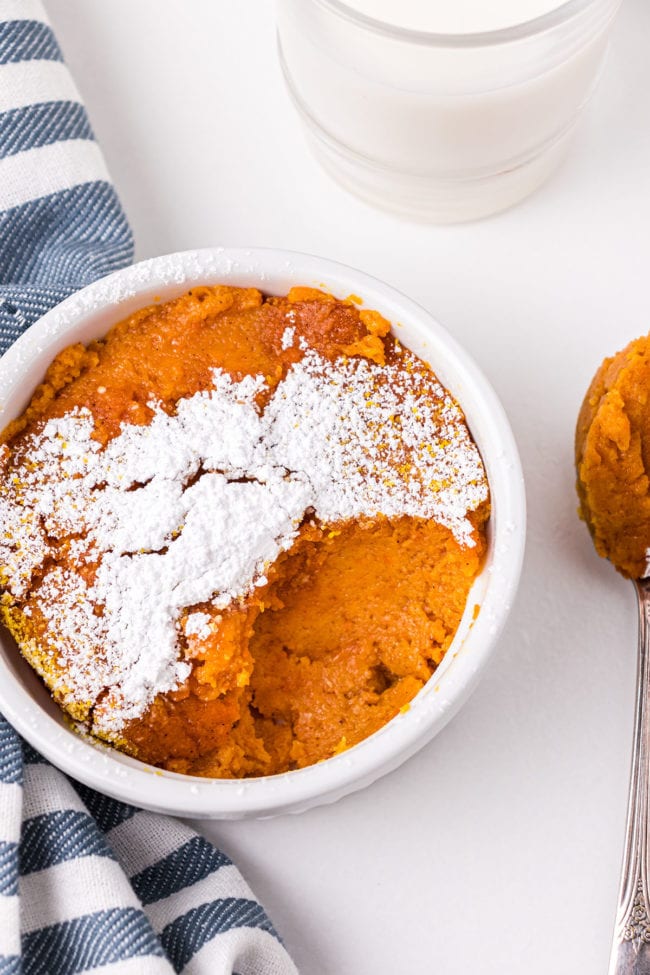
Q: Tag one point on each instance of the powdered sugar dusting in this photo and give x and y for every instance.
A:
(198, 624)
(192, 509)
(287, 337)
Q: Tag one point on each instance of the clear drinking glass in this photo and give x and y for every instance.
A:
(440, 127)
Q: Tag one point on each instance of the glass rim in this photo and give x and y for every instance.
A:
(529, 28)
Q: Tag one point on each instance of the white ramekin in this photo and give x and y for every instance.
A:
(89, 314)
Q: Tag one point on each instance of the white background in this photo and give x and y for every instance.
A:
(496, 850)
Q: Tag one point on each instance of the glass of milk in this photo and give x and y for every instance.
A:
(442, 110)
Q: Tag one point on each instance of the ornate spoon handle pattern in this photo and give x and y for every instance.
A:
(631, 947)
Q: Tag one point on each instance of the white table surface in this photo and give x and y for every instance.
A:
(496, 850)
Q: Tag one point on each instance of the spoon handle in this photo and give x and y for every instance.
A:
(631, 947)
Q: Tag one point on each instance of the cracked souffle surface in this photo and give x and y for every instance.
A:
(239, 532)
(613, 459)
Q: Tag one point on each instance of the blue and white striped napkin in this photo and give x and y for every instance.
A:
(89, 884)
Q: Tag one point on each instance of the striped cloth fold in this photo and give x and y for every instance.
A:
(89, 884)
(61, 224)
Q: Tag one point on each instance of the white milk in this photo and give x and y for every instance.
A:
(440, 130)
(454, 16)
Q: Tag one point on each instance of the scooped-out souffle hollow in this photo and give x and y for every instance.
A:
(239, 532)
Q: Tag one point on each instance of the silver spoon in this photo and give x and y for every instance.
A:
(631, 947)
(612, 445)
